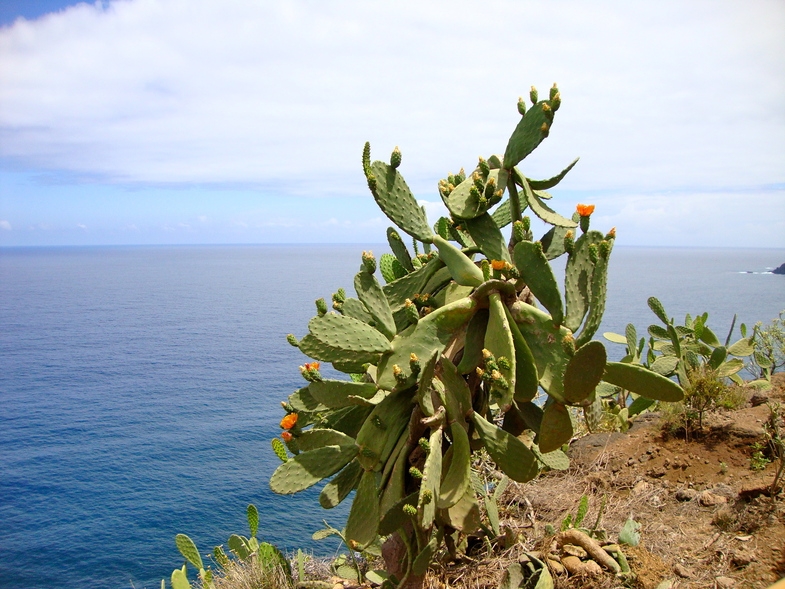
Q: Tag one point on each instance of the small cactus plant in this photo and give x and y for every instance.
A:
(468, 345)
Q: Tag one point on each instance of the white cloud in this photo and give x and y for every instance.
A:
(283, 94)
(82, 226)
(5, 225)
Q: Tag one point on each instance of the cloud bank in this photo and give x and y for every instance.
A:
(282, 95)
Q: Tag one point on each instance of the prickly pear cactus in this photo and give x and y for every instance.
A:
(468, 346)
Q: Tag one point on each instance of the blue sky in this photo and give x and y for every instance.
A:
(242, 121)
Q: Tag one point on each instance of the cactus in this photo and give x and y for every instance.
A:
(452, 353)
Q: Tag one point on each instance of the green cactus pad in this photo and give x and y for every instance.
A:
(391, 268)
(584, 372)
(502, 215)
(253, 518)
(188, 549)
(414, 283)
(302, 400)
(372, 296)
(464, 516)
(488, 238)
(499, 342)
(319, 350)
(556, 460)
(457, 396)
(180, 579)
(656, 307)
(666, 365)
(342, 484)
(538, 276)
(553, 242)
(355, 308)
(508, 452)
(308, 468)
(431, 480)
(393, 196)
(434, 331)
(379, 434)
(527, 134)
(347, 333)
(545, 343)
(442, 227)
(424, 389)
(551, 182)
(424, 558)
(556, 427)
(336, 393)
(399, 249)
(395, 518)
(594, 414)
(642, 381)
(458, 475)
(462, 269)
(599, 283)
(348, 420)
(741, 348)
(393, 481)
(526, 378)
(474, 343)
(320, 437)
(364, 515)
(577, 279)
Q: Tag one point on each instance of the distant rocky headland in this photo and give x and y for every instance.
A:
(780, 270)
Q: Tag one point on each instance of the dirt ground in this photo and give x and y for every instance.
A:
(706, 518)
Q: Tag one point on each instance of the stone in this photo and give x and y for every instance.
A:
(641, 487)
(709, 499)
(682, 571)
(725, 582)
(779, 270)
(686, 494)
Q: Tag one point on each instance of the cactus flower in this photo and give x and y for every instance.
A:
(287, 437)
(585, 210)
(289, 421)
(498, 264)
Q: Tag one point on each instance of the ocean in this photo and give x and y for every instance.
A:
(140, 388)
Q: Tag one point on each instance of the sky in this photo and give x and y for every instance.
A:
(243, 121)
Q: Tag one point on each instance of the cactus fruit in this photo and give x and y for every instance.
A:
(450, 347)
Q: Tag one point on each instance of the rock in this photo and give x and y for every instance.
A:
(758, 399)
(723, 490)
(572, 550)
(641, 487)
(780, 270)
(725, 582)
(741, 557)
(686, 494)
(709, 499)
(682, 572)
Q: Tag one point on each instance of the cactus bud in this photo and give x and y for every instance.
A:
(366, 157)
(533, 95)
(538, 246)
(611, 234)
(593, 253)
(414, 363)
(321, 307)
(398, 373)
(518, 232)
(556, 102)
(554, 91)
(460, 176)
(292, 340)
(490, 188)
(484, 167)
(513, 272)
(547, 110)
(395, 158)
(371, 182)
(486, 270)
(278, 447)
(369, 262)
(427, 496)
(410, 510)
(486, 354)
(544, 130)
(568, 345)
(521, 106)
(339, 296)
(605, 249)
(474, 192)
(569, 242)
(415, 473)
(424, 444)
(527, 223)
(504, 363)
(478, 181)
(412, 314)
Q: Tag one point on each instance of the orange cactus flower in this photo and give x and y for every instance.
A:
(289, 421)
(498, 264)
(312, 366)
(287, 437)
(585, 210)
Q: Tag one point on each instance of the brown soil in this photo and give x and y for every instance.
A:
(723, 530)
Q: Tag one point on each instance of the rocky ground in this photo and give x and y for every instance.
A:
(707, 520)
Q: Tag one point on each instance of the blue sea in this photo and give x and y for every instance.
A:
(140, 388)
